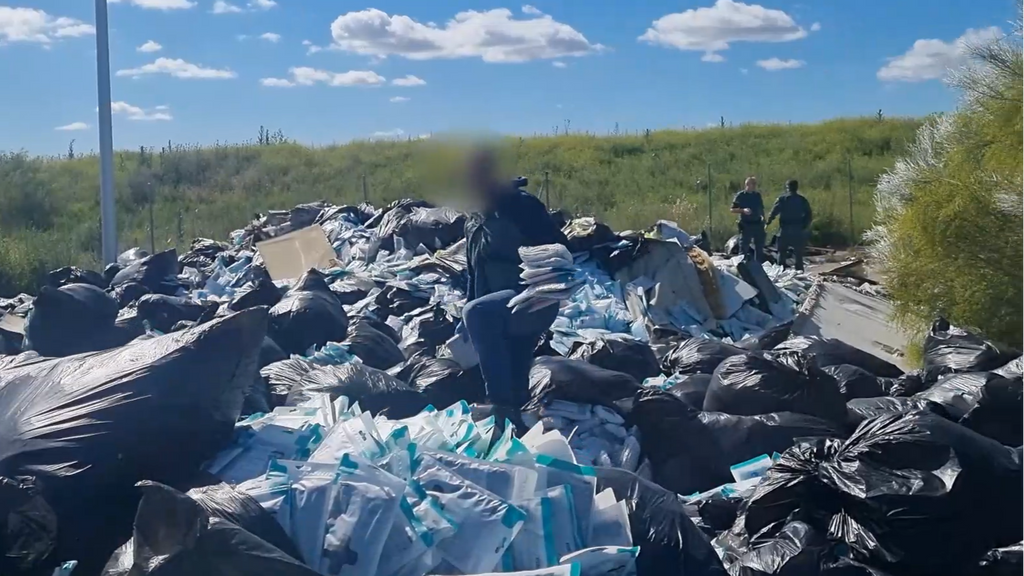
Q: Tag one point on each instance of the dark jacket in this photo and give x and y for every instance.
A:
(793, 211)
(752, 200)
(493, 239)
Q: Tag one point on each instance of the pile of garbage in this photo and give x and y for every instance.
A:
(301, 400)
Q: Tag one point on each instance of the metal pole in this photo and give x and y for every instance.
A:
(108, 212)
(711, 228)
(366, 191)
(849, 180)
(152, 222)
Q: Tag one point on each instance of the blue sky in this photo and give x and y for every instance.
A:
(331, 71)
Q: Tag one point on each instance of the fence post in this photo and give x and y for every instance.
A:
(711, 227)
(366, 191)
(849, 188)
(547, 190)
(152, 224)
(181, 229)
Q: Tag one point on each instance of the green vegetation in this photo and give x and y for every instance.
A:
(49, 215)
(949, 215)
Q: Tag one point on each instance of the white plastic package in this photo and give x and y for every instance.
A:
(604, 561)
(560, 570)
(508, 482)
(510, 450)
(487, 524)
(609, 522)
(358, 435)
(312, 490)
(549, 532)
(753, 468)
(553, 472)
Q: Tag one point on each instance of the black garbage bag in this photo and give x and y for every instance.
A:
(95, 424)
(380, 326)
(585, 233)
(864, 408)
(376, 391)
(768, 339)
(752, 273)
(163, 312)
(128, 293)
(202, 254)
(158, 273)
(898, 492)
(428, 328)
(832, 352)
(394, 300)
(691, 389)
(72, 319)
(28, 527)
(670, 544)
(282, 376)
(554, 378)
(75, 275)
(222, 501)
(753, 383)
(905, 386)
(176, 536)
(261, 291)
(376, 350)
(442, 381)
(433, 228)
(1004, 561)
(732, 245)
(985, 402)
(308, 315)
(697, 356)
(110, 271)
(402, 207)
(954, 350)
(1012, 368)
(349, 292)
(741, 438)
(856, 382)
(131, 256)
(626, 355)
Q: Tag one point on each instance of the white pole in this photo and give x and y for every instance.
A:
(108, 212)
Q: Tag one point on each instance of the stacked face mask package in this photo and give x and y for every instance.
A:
(436, 493)
(596, 434)
(550, 276)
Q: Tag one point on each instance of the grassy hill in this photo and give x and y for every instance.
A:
(49, 207)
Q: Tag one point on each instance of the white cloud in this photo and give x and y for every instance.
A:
(816, 27)
(305, 76)
(527, 9)
(178, 68)
(409, 81)
(398, 99)
(775, 64)
(307, 43)
(396, 133)
(271, 37)
(559, 64)
(157, 4)
(222, 7)
(162, 107)
(73, 126)
(32, 25)
(135, 113)
(149, 46)
(262, 4)
(493, 36)
(712, 29)
(712, 57)
(930, 59)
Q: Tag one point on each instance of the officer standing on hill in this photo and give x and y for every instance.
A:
(750, 207)
(794, 213)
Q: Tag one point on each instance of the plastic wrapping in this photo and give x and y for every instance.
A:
(697, 356)
(308, 315)
(72, 319)
(957, 350)
(832, 352)
(625, 355)
(553, 378)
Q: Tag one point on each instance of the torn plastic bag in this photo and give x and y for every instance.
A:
(376, 391)
(905, 386)
(158, 273)
(397, 301)
(670, 544)
(442, 381)
(798, 549)
(98, 423)
(75, 275)
(72, 319)
(768, 339)
(426, 330)
(163, 312)
(308, 315)
(28, 531)
(554, 378)
(856, 382)
(864, 408)
(956, 350)
(898, 486)
(128, 293)
(1004, 561)
(373, 348)
(260, 292)
(626, 355)
(985, 402)
(586, 233)
(202, 254)
(697, 356)
(691, 389)
(753, 383)
(175, 536)
(832, 352)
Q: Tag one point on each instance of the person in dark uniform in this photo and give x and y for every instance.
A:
(750, 207)
(794, 214)
(509, 218)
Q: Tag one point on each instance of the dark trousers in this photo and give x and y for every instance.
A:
(792, 239)
(505, 341)
(752, 233)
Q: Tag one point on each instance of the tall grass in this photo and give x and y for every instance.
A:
(49, 208)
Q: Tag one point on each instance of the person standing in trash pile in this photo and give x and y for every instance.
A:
(794, 213)
(508, 218)
(750, 207)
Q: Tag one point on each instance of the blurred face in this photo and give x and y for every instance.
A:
(481, 174)
(751, 183)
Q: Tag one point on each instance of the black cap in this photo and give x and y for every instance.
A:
(792, 185)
